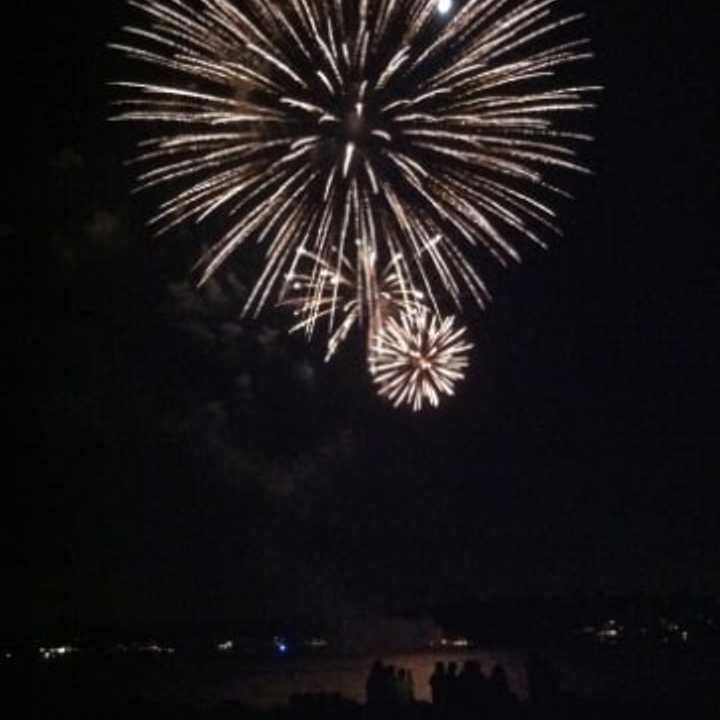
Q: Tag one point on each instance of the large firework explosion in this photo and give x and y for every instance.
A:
(363, 135)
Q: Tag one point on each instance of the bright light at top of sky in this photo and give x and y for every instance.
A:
(444, 6)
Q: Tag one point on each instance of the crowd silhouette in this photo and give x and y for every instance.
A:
(387, 686)
(458, 691)
(469, 688)
(468, 691)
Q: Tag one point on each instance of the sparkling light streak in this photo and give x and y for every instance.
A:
(323, 289)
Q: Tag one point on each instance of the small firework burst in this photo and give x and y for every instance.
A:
(325, 289)
(418, 358)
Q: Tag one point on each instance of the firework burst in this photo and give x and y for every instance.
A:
(418, 358)
(349, 137)
(325, 290)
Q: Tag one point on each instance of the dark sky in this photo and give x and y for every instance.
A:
(172, 461)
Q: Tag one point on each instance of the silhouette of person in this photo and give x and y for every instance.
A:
(410, 686)
(542, 680)
(451, 684)
(471, 686)
(438, 684)
(403, 689)
(391, 688)
(499, 695)
(374, 684)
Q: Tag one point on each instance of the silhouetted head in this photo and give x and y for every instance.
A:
(452, 668)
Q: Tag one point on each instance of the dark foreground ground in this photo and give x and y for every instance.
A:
(337, 708)
(682, 686)
(700, 700)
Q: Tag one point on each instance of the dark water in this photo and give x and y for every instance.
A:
(587, 673)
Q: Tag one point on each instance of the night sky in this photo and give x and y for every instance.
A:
(172, 461)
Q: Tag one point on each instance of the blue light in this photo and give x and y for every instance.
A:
(282, 648)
